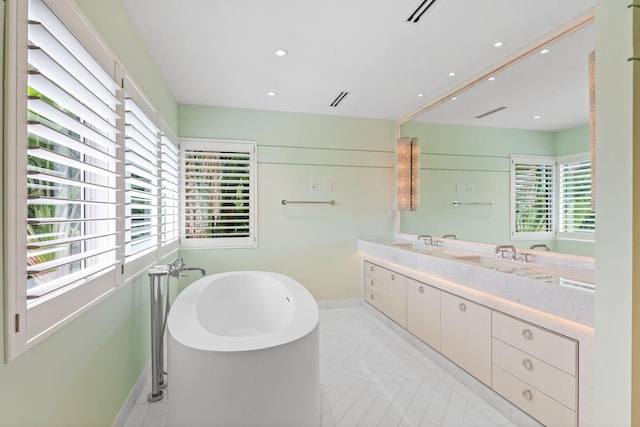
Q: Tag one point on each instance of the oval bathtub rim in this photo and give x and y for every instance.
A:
(185, 328)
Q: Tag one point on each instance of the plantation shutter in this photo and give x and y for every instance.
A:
(142, 182)
(170, 178)
(219, 193)
(532, 201)
(574, 188)
(71, 160)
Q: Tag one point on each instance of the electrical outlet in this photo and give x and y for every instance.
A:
(313, 185)
(470, 188)
(328, 185)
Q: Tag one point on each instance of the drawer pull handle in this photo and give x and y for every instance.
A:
(462, 307)
(372, 283)
(526, 333)
(527, 364)
(371, 268)
(393, 277)
(527, 394)
(371, 297)
(421, 289)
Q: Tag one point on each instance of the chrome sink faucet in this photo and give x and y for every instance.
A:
(424, 238)
(540, 246)
(501, 249)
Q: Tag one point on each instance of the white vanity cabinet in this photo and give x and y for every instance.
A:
(386, 290)
(536, 369)
(493, 325)
(466, 335)
(423, 312)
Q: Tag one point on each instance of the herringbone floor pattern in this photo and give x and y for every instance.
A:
(372, 377)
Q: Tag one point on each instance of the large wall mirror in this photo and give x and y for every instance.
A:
(536, 105)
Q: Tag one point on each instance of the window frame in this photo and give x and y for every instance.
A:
(541, 161)
(26, 327)
(556, 233)
(215, 146)
(28, 323)
(562, 234)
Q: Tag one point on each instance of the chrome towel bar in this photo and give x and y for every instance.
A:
(491, 203)
(330, 202)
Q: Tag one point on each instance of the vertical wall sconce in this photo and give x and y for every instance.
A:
(408, 173)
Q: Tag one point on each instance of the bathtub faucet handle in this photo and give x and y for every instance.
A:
(177, 267)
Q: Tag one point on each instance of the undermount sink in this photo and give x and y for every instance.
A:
(498, 264)
(414, 247)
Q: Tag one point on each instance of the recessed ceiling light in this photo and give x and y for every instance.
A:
(454, 98)
(543, 51)
(282, 52)
(491, 79)
(420, 95)
(497, 44)
(536, 117)
(451, 74)
(272, 93)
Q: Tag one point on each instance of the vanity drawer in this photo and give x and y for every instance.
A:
(373, 298)
(374, 285)
(537, 404)
(554, 349)
(375, 271)
(552, 381)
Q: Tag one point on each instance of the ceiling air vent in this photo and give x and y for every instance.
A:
(488, 113)
(417, 14)
(339, 99)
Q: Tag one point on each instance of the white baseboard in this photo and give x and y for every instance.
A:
(340, 303)
(131, 400)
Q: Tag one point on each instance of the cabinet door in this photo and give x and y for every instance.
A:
(394, 297)
(466, 335)
(423, 312)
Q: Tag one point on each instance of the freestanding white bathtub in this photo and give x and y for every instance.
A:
(243, 350)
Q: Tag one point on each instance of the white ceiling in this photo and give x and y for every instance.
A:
(221, 52)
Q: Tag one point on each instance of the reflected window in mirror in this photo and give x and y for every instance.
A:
(576, 219)
(551, 198)
(532, 195)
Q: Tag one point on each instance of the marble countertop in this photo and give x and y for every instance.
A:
(561, 287)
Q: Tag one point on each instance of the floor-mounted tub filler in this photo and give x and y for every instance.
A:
(244, 351)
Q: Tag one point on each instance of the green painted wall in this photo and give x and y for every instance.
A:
(81, 375)
(573, 141)
(454, 157)
(315, 244)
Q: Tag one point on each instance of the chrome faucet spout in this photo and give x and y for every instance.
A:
(540, 246)
(424, 238)
(201, 270)
(501, 249)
